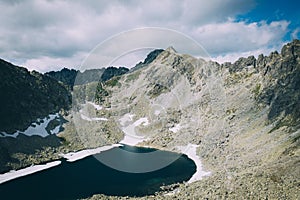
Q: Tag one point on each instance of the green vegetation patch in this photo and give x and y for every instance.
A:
(113, 82)
(256, 90)
(101, 93)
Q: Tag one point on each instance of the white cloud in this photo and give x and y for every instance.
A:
(46, 35)
(232, 57)
(137, 39)
(235, 37)
(204, 12)
(46, 63)
(295, 33)
(131, 58)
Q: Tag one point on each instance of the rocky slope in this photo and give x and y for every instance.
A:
(244, 117)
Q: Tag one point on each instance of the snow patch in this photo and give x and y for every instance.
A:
(131, 140)
(26, 171)
(74, 156)
(156, 112)
(126, 118)
(84, 114)
(130, 135)
(142, 121)
(37, 129)
(84, 117)
(97, 107)
(191, 151)
(171, 193)
(14, 135)
(55, 130)
(40, 129)
(176, 128)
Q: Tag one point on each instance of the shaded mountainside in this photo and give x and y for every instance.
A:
(71, 77)
(65, 76)
(26, 96)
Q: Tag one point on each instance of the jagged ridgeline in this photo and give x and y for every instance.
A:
(71, 77)
(26, 96)
(278, 87)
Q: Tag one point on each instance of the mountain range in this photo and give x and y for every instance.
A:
(244, 117)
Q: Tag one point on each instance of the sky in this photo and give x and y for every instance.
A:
(47, 35)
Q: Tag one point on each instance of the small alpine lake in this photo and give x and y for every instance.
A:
(120, 171)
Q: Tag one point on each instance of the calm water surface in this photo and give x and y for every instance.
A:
(88, 176)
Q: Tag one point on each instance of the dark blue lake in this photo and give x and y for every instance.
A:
(88, 176)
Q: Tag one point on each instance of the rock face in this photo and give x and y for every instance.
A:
(244, 116)
(280, 80)
(26, 96)
(282, 75)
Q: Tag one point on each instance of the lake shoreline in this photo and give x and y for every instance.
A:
(130, 138)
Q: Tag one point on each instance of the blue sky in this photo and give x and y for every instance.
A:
(275, 10)
(46, 35)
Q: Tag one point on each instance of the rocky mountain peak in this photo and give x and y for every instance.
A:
(150, 58)
(289, 53)
(291, 49)
(171, 49)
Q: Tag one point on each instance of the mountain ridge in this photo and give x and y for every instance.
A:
(71, 77)
(243, 116)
